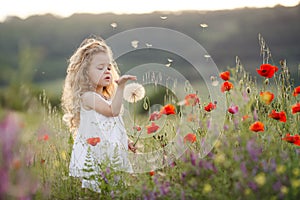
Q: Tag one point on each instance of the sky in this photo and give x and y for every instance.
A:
(65, 8)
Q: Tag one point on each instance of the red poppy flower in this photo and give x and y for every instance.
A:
(137, 128)
(296, 91)
(266, 97)
(44, 137)
(190, 137)
(281, 116)
(155, 116)
(296, 108)
(93, 141)
(210, 107)
(233, 109)
(225, 75)
(245, 117)
(297, 143)
(168, 109)
(226, 86)
(152, 128)
(151, 173)
(267, 70)
(257, 126)
(291, 138)
(191, 99)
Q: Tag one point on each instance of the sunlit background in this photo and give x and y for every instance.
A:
(24, 9)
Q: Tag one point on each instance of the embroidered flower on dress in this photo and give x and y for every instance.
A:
(134, 92)
(93, 141)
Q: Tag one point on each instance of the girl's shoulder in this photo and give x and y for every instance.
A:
(89, 94)
(88, 99)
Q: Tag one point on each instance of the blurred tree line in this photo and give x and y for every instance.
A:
(35, 50)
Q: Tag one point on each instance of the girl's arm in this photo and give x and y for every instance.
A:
(90, 101)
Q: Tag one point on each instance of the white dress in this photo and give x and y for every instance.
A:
(111, 151)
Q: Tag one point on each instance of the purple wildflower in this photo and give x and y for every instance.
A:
(252, 186)
(255, 115)
(254, 150)
(244, 169)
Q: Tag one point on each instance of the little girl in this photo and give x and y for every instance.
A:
(92, 102)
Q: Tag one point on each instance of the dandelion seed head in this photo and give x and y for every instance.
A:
(204, 25)
(148, 45)
(134, 92)
(114, 25)
(134, 44)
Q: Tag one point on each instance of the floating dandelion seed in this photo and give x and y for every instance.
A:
(163, 17)
(114, 25)
(204, 25)
(148, 45)
(134, 43)
(134, 92)
(214, 81)
(170, 60)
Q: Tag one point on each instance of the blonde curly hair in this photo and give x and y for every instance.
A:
(78, 82)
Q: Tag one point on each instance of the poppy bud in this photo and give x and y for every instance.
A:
(266, 82)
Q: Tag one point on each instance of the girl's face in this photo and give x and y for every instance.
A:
(99, 70)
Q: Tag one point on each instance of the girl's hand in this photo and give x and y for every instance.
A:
(123, 79)
(131, 147)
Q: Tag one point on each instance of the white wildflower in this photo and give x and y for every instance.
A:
(134, 92)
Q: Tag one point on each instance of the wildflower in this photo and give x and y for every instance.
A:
(93, 141)
(220, 158)
(296, 108)
(284, 190)
(190, 137)
(137, 128)
(257, 126)
(152, 128)
(44, 137)
(280, 169)
(281, 116)
(168, 109)
(210, 107)
(260, 179)
(296, 171)
(155, 116)
(295, 139)
(267, 70)
(191, 99)
(151, 173)
(233, 109)
(296, 91)
(207, 188)
(225, 75)
(266, 97)
(295, 183)
(245, 117)
(226, 86)
(63, 155)
(134, 92)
